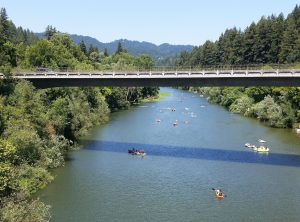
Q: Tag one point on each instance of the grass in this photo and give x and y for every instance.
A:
(158, 98)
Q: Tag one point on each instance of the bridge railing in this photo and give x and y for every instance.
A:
(215, 69)
(174, 68)
(163, 73)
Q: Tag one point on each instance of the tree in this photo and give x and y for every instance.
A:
(209, 53)
(50, 31)
(106, 52)
(242, 105)
(42, 54)
(278, 27)
(94, 57)
(4, 26)
(82, 46)
(248, 43)
(120, 49)
(92, 49)
(8, 54)
(144, 62)
(7, 151)
(183, 58)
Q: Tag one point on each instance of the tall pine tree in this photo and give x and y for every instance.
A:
(4, 25)
(82, 47)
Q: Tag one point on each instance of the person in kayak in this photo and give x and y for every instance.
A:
(219, 193)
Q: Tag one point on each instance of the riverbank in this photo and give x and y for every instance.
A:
(37, 129)
(277, 107)
(158, 98)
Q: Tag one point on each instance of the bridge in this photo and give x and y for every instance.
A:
(242, 77)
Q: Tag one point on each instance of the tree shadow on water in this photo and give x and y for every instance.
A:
(245, 156)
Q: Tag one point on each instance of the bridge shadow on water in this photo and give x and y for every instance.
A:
(243, 156)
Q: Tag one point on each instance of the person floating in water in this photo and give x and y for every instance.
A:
(219, 193)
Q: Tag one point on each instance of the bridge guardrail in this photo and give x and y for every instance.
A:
(161, 73)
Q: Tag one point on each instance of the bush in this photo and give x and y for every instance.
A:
(242, 105)
(19, 209)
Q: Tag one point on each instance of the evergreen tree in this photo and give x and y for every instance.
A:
(82, 46)
(120, 49)
(106, 52)
(290, 44)
(277, 29)
(4, 25)
(183, 58)
(263, 41)
(209, 53)
(50, 31)
(248, 43)
(92, 49)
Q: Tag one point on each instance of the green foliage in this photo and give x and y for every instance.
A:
(276, 115)
(277, 106)
(120, 49)
(5, 177)
(4, 26)
(27, 142)
(20, 209)
(242, 105)
(18, 35)
(28, 179)
(82, 46)
(2, 119)
(258, 93)
(58, 113)
(106, 52)
(8, 55)
(118, 99)
(94, 57)
(7, 151)
(41, 54)
(38, 127)
(229, 96)
(271, 40)
(144, 62)
(50, 31)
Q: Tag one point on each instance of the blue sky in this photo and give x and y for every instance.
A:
(158, 21)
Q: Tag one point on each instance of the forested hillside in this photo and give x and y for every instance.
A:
(273, 42)
(38, 127)
(273, 39)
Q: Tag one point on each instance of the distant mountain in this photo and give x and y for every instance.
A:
(136, 48)
(157, 52)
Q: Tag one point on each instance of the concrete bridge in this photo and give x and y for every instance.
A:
(276, 77)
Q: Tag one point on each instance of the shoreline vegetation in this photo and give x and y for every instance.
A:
(161, 96)
(270, 105)
(37, 129)
(272, 42)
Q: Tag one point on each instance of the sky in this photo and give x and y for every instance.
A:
(157, 21)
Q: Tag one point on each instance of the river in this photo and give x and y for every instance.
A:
(174, 181)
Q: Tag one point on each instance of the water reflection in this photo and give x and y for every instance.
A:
(199, 153)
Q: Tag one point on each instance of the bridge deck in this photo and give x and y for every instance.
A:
(164, 78)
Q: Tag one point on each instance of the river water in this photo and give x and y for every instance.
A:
(174, 181)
